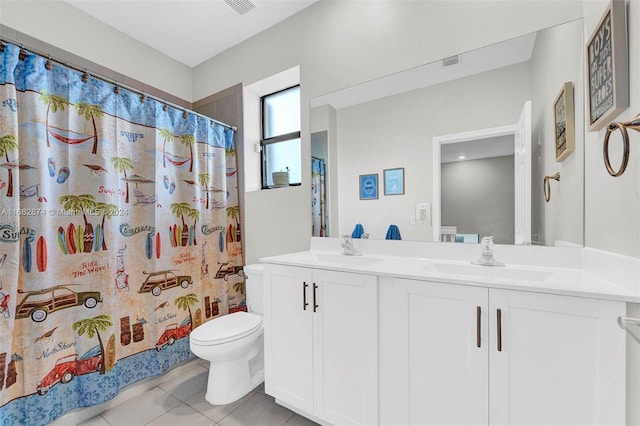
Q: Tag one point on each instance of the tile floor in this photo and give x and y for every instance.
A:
(181, 403)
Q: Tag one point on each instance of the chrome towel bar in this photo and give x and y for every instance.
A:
(624, 321)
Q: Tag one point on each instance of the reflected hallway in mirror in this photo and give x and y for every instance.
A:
(477, 191)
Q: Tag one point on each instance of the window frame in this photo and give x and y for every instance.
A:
(274, 139)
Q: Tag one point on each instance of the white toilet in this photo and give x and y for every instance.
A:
(234, 346)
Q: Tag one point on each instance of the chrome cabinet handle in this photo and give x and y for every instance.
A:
(304, 296)
(478, 326)
(315, 305)
(499, 318)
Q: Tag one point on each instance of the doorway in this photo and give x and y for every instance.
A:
(520, 134)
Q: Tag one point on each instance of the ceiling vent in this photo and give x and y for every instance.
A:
(451, 60)
(240, 6)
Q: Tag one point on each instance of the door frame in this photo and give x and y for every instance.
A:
(521, 132)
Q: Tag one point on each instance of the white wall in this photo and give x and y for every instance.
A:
(397, 131)
(341, 43)
(63, 26)
(612, 216)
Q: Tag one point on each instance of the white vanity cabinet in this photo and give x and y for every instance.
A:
(431, 371)
(458, 354)
(321, 343)
(562, 360)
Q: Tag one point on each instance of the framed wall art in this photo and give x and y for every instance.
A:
(369, 187)
(394, 181)
(564, 122)
(608, 67)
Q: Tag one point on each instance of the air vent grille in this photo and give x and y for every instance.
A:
(451, 60)
(240, 6)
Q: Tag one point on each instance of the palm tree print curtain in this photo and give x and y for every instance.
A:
(318, 198)
(119, 233)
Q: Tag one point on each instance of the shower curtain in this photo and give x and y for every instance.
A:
(119, 234)
(318, 198)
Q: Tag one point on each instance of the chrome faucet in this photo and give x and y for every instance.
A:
(486, 253)
(347, 247)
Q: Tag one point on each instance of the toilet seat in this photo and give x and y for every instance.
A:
(225, 329)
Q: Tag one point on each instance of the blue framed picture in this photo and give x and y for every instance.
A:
(394, 181)
(369, 187)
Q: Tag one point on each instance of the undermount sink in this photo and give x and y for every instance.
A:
(345, 260)
(489, 272)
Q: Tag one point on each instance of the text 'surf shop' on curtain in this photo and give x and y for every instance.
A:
(119, 234)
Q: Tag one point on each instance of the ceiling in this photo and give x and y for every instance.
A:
(191, 31)
(497, 146)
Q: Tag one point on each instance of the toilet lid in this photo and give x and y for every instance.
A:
(226, 328)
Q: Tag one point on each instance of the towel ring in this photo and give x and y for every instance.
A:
(634, 125)
(547, 185)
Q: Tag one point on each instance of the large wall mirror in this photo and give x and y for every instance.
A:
(392, 122)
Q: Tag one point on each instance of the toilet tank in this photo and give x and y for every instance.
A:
(254, 289)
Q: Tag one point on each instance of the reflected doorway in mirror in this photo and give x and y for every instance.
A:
(520, 135)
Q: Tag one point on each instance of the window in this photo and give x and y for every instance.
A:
(280, 141)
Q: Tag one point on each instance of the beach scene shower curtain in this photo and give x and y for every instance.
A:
(119, 234)
(318, 198)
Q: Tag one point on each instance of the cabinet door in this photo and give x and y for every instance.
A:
(288, 336)
(556, 360)
(434, 353)
(346, 348)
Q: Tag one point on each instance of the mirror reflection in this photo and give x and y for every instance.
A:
(476, 175)
(393, 122)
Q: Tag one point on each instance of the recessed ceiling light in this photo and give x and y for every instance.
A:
(462, 157)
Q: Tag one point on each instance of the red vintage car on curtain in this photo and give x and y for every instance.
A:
(68, 367)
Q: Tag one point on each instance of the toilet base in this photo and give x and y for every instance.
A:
(231, 380)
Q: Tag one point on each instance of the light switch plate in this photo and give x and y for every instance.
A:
(423, 213)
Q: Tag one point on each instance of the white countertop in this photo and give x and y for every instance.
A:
(576, 280)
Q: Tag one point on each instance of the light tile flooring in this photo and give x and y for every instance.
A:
(180, 402)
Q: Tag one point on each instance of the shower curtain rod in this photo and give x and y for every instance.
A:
(108, 80)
